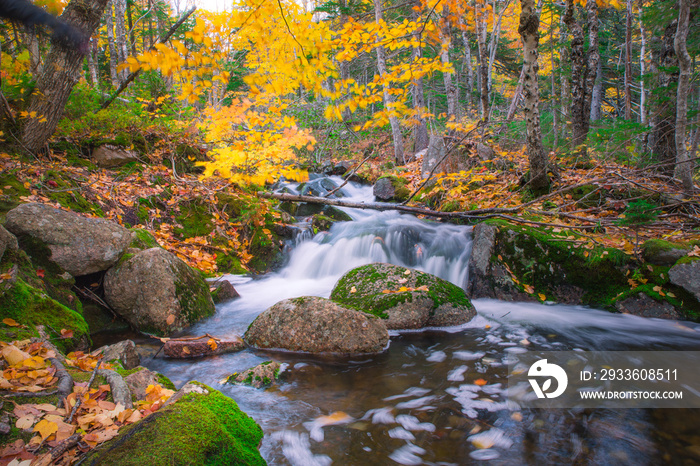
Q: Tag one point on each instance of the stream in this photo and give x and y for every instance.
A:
(418, 403)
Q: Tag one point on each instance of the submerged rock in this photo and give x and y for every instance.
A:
(199, 426)
(317, 325)
(157, 292)
(259, 376)
(222, 291)
(77, 244)
(405, 298)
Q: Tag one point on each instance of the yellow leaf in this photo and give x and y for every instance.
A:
(212, 344)
(170, 320)
(10, 322)
(46, 428)
(529, 289)
(407, 272)
(353, 290)
(542, 296)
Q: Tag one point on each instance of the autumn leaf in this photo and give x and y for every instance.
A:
(46, 428)
(40, 273)
(10, 322)
(659, 290)
(353, 290)
(66, 333)
(480, 382)
(170, 320)
(529, 289)
(212, 344)
(542, 296)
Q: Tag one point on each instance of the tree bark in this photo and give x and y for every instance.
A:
(420, 127)
(480, 23)
(92, 63)
(120, 37)
(537, 157)
(642, 69)
(114, 76)
(628, 62)
(684, 168)
(597, 94)
(446, 39)
(663, 140)
(468, 65)
(132, 33)
(388, 98)
(62, 71)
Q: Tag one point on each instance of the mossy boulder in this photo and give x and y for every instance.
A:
(317, 325)
(7, 241)
(686, 274)
(202, 427)
(262, 375)
(77, 244)
(405, 298)
(31, 307)
(660, 252)
(142, 239)
(391, 188)
(157, 292)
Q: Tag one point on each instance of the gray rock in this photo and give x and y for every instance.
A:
(390, 188)
(109, 156)
(321, 187)
(124, 352)
(223, 291)
(484, 152)
(316, 325)
(79, 245)
(646, 306)
(433, 155)
(157, 292)
(8, 241)
(259, 376)
(139, 381)
(687, 276)
(405, 298)
(483, 246)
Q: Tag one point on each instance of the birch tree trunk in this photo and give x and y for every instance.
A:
(120, 37)
(92, 63)
(63, 69)
(113, 75)
(480, 23)
(450, 88)
(468, 65)
(642, 69)
(597, 93)
(684, 168)
(420, 128)
(565, 97)
(388, 99)
(537, 157)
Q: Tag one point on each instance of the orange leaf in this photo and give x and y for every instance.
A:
(170, 320)
(480, 382)
(40, 273)
(10, 322)
(46, 428)
(212, 344)
(66, 333)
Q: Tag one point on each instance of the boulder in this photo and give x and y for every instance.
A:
(77, 244)
(405, 298)
(686, 274)
(321, 187)
(222, 291)
(433, 155)
(124, 352)
(139, 381)
(259, 376)
(646, 306)
(339, 168)
(200, 426)
(316, 325)
(8, 241)
(484, 152)
(391, 188)
(184, 349)
(157, 292)
(662, 252)
(109, 156)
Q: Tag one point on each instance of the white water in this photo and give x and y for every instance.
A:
(417, 403)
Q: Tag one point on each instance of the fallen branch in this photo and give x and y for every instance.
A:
(118, 387)
(349, 174)
(79, 400)
(65, 381)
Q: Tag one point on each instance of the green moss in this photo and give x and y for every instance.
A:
(193, 294)
(687, 260)
(401, 192)
(11, 189)
(588, 195)
(31, 307)
(195, 218)
(143, 239)
(68, 194)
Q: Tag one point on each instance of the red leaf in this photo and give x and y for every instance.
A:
(40, 273)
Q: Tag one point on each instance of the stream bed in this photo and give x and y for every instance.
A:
(435, 397)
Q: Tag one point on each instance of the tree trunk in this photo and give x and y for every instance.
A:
(388, 98)
(450, 88)
(62, 71)
(132, 33)
(34, 53)
(597, 94)
(642, 69)
(114, 76)
(592, 61)
(120, 37)
(565, 97)
(684, 168)
(529, 31)
(420, 127)
(345, 64)
(663, 140)
(480, 22)
(468, 65)
(628, 62)
(92, 63)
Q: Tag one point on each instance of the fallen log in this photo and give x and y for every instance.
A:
(185, 349)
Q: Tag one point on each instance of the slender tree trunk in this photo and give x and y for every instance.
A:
(92, 63)
(345, 64)
(684, 168)
(468, 65)
(628, 62)
(62, 71)
(113, 57)
(554, 107)
(480, 22)
(592, 61)
(529, 31)
(388, 98)
(132, 33)
(120, 37)
(597, 94)
(663, 138)
(642, 69)
(565, 97)
(450, 88)
(32, 40)
(420, 127)
(495, 37)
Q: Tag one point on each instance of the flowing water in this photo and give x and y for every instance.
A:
(418, 402)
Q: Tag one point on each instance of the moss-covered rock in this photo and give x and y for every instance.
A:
(157, 292)
(661, 252)
(203, 427)
(519, 263)
(32, 307)
(391, 188)
(142, 239)
(262, 375)
(406, 298)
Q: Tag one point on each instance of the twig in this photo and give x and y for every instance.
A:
(79, 400)
(28, 394)
(347, 177)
